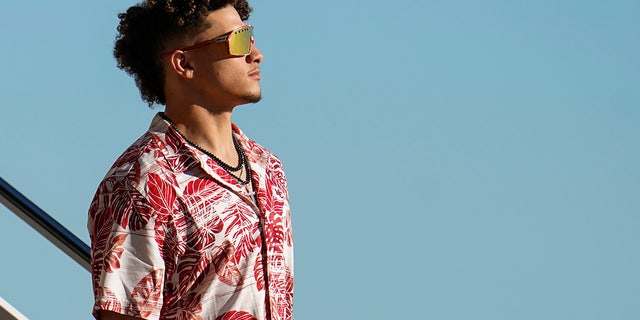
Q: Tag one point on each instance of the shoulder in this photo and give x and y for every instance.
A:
(138, 158)
(151, 160)
(263, 162)
(146, 153)
(124, 193)
(254, 150)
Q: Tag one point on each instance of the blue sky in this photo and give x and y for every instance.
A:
(446, 159)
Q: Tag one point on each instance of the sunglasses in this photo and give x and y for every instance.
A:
(240, 41)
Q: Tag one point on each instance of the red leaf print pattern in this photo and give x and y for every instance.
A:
(236, 315)
(288, 235)
(219, 171)
(115, 252)
(130, 155)
(140, 211)
(280, 288)
(112, 303)
(243, 227)
(193, 266)
(146, 295)
(156, 146)
(274, 235)
(278, 178)
(258, 273)
(162, 196)
(183, 160)
(177, 233)
(200, 196)
(200, 238)
(190, 221)
(111, 204)
(191, 309)
(225, 265)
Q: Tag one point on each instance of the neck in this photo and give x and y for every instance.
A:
(211, 131)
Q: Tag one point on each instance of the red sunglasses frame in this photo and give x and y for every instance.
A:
(225, 37)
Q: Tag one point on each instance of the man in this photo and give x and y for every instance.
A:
(192, 221)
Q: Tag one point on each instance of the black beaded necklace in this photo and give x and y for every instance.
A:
(242, 158)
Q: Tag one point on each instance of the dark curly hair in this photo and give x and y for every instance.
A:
(148, 28)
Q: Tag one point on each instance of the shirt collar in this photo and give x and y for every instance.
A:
(177, 146)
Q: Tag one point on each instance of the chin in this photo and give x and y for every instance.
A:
(253, 97)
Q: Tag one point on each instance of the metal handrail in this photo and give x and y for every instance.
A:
(45, 224)
(8, 312)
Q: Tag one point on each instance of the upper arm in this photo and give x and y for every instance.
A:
(127, 264)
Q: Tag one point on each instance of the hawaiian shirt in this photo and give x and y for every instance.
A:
(174, 236)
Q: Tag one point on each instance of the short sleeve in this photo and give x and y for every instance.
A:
(127, 268)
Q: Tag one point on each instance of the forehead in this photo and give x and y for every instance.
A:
(221, 21)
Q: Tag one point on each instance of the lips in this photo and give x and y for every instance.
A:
(255, 74)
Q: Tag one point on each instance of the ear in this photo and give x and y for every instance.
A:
(181, 64)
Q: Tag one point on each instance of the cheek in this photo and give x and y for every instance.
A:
(231, 72)
(230, 75)
(222, 70)
(216, 76)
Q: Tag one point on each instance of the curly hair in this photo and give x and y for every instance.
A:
(148, 28)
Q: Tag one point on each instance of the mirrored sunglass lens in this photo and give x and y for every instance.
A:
(240, 41)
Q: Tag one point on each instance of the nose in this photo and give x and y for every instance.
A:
(255, 55)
